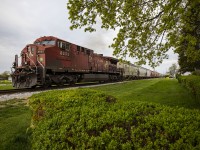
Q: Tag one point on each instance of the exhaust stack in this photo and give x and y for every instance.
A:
(16, 61)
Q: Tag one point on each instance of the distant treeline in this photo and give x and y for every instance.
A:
(4, 75)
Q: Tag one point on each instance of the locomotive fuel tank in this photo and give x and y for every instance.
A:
(95, 77)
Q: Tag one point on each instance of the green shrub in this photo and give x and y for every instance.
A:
(167, 76)
(88, 119)
(177, 75)
(191, 82)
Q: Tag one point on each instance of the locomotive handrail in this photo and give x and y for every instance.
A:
(42, 67)
(40, 62)
(32, 62)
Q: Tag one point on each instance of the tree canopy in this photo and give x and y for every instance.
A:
(185, 63)
(147, 29)
(189, 43)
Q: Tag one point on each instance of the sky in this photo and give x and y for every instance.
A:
(23, 21)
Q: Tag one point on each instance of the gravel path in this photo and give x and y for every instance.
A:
(25, 95)
(16, 96)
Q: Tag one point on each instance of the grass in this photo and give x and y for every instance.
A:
(5, 82)
(5, 85)
(163, 91)
(15, 118)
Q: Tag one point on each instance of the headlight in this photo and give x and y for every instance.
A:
(41, 59)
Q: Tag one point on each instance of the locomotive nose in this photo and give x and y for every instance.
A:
(24, 79)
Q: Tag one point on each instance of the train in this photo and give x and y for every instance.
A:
(51, 60)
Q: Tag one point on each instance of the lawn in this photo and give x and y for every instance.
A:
(5, 85)
(15, 115)
(15, 118)
(5, 82)
(163, 91)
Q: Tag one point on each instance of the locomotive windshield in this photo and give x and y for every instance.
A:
(46, 42)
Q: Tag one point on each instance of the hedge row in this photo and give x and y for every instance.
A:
(88, 119)
(192, 83)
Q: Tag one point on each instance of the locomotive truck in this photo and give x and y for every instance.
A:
(50, 60)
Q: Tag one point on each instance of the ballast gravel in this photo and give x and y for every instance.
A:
(17, 96)
(25, 95)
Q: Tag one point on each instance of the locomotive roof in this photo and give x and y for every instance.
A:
(48, 38)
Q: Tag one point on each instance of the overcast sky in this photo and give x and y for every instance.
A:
(22, 21)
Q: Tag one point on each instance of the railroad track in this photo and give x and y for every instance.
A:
(11, 91)
(37, 89)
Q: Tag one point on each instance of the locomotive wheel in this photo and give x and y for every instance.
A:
(46, 85)
(62, 82)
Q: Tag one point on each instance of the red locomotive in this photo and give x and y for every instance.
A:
(50, 60)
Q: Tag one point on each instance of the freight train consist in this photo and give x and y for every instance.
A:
(50, 60)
